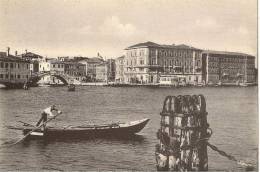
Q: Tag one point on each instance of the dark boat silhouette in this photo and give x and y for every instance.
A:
(85, 131)
(71, 87)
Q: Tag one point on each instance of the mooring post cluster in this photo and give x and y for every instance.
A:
(183, 134)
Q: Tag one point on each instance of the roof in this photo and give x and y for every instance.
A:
(95, 60)
(4, 57)
(152, 44)
(226, 53)
(121, 57)
(145, 44)
(79, 58)
(32, 55)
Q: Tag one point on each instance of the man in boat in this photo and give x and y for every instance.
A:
(50, 111)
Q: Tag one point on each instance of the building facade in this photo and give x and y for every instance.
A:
(91, 64)
(102, 72)
(13, 70)
(75, 70)
(119, 74)
(228, 67)
(146, 62)
(34, 61)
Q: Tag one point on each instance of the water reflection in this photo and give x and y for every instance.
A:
(127, 139)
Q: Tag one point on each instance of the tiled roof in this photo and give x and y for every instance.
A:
(152, 44)
(226, 53)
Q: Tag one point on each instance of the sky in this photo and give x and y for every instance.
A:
(86, 27)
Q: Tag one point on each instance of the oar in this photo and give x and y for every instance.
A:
(35, 129)
(27, 123)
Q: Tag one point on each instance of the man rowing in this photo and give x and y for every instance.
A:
(51, 111)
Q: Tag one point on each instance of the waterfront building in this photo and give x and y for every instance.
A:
(146, 62)
(75, 70)
(102, 72)
(91, 64)
(14, 71)
(228, 67)
(119, 75)
(34, 61)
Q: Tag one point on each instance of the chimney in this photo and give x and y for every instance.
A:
(8, 51)
(15, 53)
(26, 51)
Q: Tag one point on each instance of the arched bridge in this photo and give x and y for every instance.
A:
(37, 77)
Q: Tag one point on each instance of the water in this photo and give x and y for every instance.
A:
(232, 115)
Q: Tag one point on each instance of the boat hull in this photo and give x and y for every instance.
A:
(86, 132)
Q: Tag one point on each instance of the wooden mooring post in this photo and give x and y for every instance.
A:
(183, 134)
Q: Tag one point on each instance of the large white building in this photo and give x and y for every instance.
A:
(148, 62)
(228, 67)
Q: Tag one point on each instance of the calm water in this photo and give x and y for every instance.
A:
(232, 115)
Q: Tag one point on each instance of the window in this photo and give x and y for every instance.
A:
(18, 76)
(153, 61)
(18, 65)
(6, 65)
(27, 66)
(2, 64)
(11, 65)
(11, 76)
(6, 76)
(1, 76)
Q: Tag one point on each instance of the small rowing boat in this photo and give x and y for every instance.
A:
(84, 131)
(71, 87)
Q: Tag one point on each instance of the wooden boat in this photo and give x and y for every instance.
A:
(71, 87)
(85, 131)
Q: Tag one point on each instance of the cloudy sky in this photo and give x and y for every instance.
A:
(84, 27)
